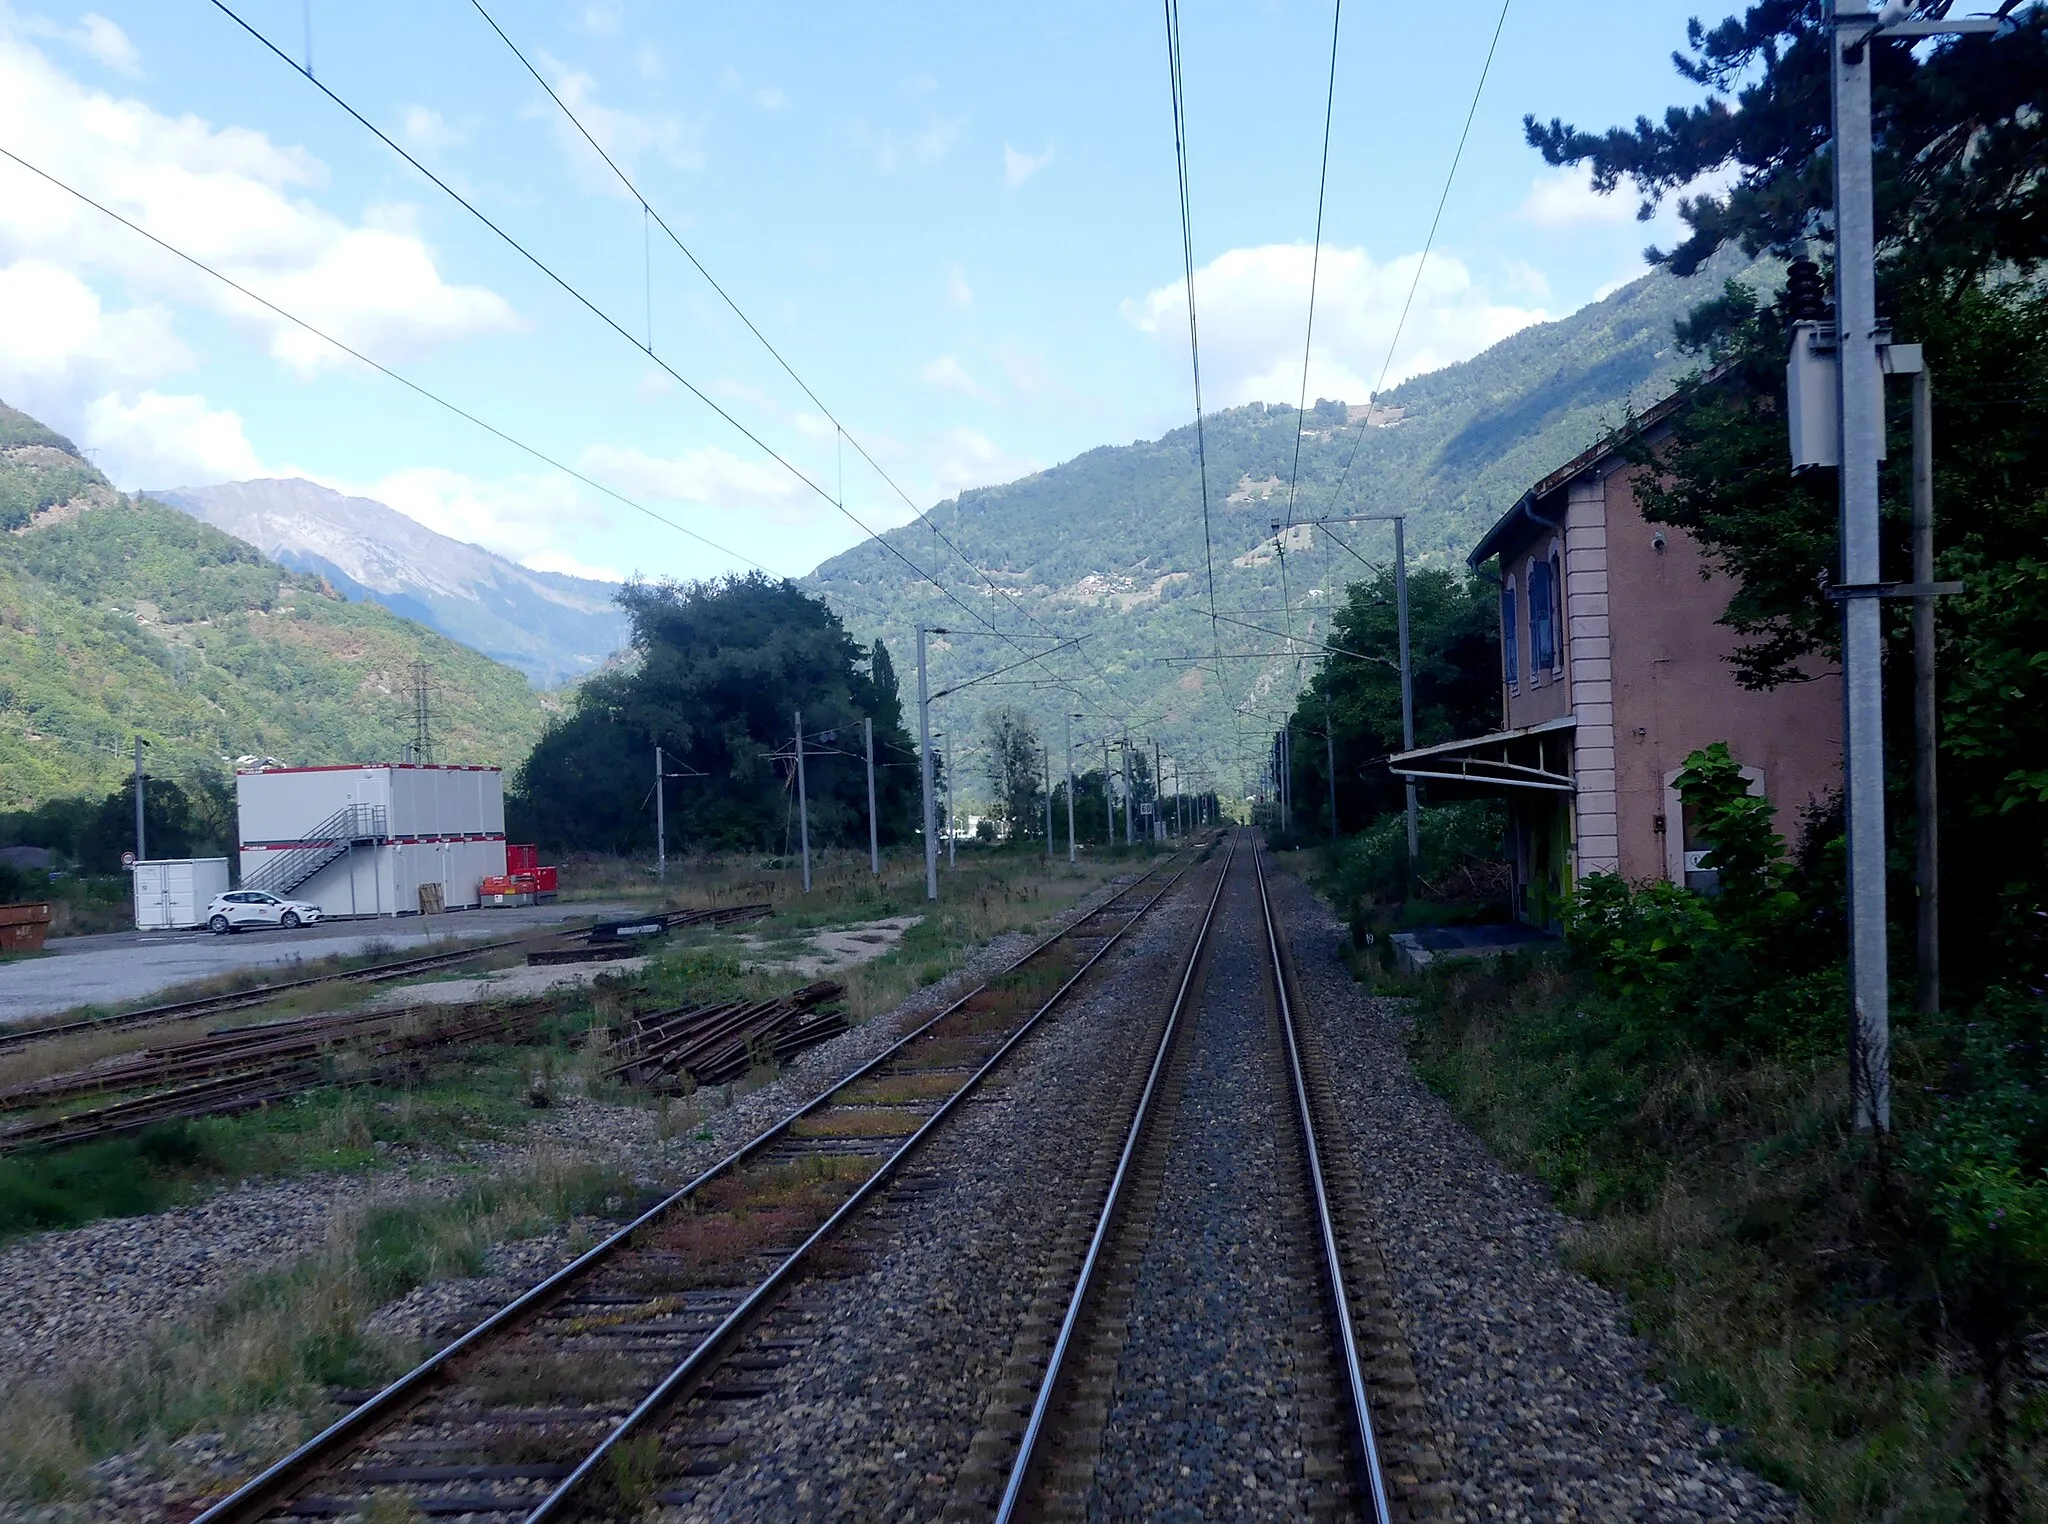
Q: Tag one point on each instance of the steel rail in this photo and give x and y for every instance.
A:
(236, 999)
(1105, 1224)
(1371, 1479)
(284, 1477)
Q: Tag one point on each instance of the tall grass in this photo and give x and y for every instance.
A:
(257, 1363)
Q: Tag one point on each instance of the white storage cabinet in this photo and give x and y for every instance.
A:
(173, 893)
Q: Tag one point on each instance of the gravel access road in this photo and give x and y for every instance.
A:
(121, 968)
(1542, 1400)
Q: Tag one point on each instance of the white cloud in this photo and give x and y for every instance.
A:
(101, 39)
(228, 196)
(1565, 199)
(59, 341)
(1253, 303)
(1019, 167)
(627, 136)
(707, 477)
(530, 518)
(428, 130)
(107, 43)
(569, 566)
(770, 98)
(969, 458)
(948, 374)
(600, 18)
(958, 292)
(153, 439)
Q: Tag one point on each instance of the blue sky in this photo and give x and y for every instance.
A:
(960, 227)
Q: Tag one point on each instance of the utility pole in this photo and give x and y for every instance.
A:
(952, 831)
(924, 768)
(1070, 790)
(660, 816)
(1407, 683)
(803, 803)
(1330, 749)
(1108, 804)
(1926, 737)
(1046, 752)
(1129, 789)
(141, 833)
(1158, 793)
(867, 739)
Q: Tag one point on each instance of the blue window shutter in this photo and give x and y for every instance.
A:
(1511, 656)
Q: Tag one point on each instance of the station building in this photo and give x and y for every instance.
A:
(1614, 669)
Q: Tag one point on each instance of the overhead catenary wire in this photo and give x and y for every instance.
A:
(1429, 243)
(650, 214)
(607, 319)
(533, 451)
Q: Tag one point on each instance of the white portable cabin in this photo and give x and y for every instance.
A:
(173, 893)
(363, 839)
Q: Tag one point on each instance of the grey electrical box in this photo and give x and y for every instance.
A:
(1813, 392)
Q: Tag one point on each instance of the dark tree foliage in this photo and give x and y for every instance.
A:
(196, 819)
(1016, 778)
(720, 671)
(1960, 137)
(1454, 639)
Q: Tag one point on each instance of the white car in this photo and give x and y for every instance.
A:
(252, 907)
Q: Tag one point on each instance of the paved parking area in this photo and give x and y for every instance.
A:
(120, 968)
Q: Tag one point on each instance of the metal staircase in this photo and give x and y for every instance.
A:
(286, 868)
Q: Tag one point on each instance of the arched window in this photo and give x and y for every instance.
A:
(1510, 648)
(1542, 627)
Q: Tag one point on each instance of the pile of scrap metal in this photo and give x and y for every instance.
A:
(710, 1044)
(628, 939)
(240, 1068)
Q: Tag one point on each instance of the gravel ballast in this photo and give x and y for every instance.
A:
(1542, 1399)
(891, 1365)
(1223, 1396)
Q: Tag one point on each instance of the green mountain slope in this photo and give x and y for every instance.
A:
(1110, 545)
(121, 616)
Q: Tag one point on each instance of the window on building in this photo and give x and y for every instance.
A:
(1510, 650)
(1557, 613)
(1542, 628)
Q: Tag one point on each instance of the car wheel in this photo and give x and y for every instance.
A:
(219, 926)
(289, 920)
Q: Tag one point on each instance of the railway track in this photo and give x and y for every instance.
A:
(604, 938)
(550, 1405)
(1329, 1347)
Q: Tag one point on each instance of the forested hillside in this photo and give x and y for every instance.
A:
(121, 616)
(1110, 545)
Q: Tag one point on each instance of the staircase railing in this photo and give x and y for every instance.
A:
(284, 869)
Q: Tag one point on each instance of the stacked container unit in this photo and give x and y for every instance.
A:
(176, 893)
(395, 828)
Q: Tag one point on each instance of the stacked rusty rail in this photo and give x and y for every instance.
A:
(246, 1067)
(714, 1043)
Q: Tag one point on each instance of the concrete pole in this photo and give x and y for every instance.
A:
(1330, 748)
(660, 815)
(1407, 683)
(803, 802)
(1926, 737)
(1158, 792)
(1862, 437)
(1070, 790)
(924, 768)
(867, 741)
(1129, 840)
(1047, 752)
(141, 831)
(1108, 803)
(952, 831)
